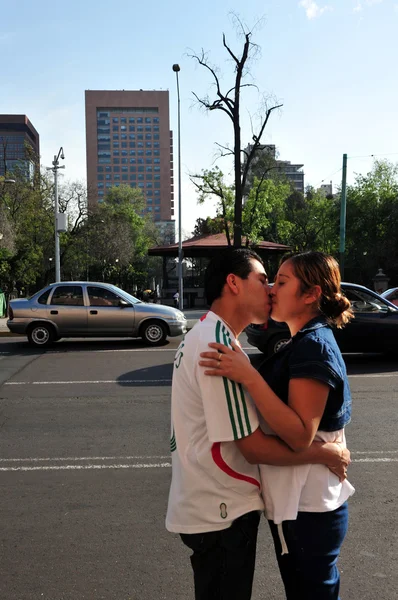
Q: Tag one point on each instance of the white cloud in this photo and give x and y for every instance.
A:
(358, 6)
(312, 9)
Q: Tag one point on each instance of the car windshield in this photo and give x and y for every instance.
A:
(126, 295)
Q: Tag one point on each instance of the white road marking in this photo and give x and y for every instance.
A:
(375, 452)
(95, 382)
(77, 458)
(88, 467)
(387, 374)
(122, 462)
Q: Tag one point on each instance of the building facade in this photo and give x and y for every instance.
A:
(19, 146)
(265, 158)
(128, 141)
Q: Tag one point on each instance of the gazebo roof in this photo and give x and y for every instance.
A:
(206, 245)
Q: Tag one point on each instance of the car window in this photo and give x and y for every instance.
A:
(99, 296)
(44, 297)
(363, 302)
(68, 295)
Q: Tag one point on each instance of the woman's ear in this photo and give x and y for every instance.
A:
(314, 294)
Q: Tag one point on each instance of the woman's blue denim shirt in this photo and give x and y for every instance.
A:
(314, 354)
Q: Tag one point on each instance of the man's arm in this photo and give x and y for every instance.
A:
(259, 448)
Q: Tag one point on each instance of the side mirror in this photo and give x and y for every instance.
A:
(123, 304)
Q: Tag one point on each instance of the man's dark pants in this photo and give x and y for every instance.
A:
(223, 561)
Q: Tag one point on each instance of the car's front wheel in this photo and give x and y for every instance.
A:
(153, 332)
(41, 335)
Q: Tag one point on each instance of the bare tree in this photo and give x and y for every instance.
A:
(230, 103)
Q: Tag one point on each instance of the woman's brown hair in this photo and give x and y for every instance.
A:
(317, 268)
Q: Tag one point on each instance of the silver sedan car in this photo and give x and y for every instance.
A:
(88, 309)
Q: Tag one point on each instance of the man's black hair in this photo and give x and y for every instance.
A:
(232, 260)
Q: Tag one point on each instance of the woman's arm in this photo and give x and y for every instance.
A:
(296, 423)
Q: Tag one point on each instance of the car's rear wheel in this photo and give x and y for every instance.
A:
(276, 343)
(41, 335)
(153, 332)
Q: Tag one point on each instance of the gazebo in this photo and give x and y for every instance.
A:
(197, 252)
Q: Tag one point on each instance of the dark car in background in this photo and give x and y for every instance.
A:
(374, 328)
(89, 309)
(391, 295)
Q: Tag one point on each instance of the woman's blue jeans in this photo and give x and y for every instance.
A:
(309, 571)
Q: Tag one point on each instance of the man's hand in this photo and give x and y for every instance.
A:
(339, 459)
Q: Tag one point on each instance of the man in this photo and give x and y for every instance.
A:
(216, 443)
(176, 299)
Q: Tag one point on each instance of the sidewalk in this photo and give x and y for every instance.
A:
(4, 331)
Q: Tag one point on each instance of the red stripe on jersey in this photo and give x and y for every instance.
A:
(220, 462)
(202, 318)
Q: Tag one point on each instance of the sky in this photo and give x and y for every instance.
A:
(332, 64)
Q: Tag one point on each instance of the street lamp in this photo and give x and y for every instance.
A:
(176, 69)
(59, 223)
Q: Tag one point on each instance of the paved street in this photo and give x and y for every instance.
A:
(85, 470)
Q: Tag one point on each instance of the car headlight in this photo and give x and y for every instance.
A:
(180, 316)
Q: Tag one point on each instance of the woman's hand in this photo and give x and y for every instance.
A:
(232, 364)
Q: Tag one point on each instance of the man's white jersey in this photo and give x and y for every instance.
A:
(212, 483)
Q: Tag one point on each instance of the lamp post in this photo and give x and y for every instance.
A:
(58, 225)
(176, 69)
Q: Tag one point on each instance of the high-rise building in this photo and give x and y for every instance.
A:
(129, 142)
(292, 172)
(19, 145)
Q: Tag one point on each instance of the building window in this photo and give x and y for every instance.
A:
(157, 192)
(125, 177)
(156, 129)
(148, 120)
(157, 200)
(141, 169)
(157, 208)
(156, 119)
(133, 176)
(109, 185)
(116, 153)
(100, 177)
(131, 120)
(103, 130)
(104, 138)
(124, 168)
(141, 185)
(148, 136)
(108, 169)
(115, 128)
(140, 153)
(140, 144)
(156, 161)
(140, 161)
(123, 128)
(104, 161)
(156, 145)
(108, 177)
(140, 177)
(115, 161)
(131, 128)
(125, 161)
(116, 137)
(140, 136)
(133, 161)
(116, 169)
(157, 177)
(123, 120)
(116, 177)
(103, 115)
(148, 161)
(156, 136)
(149, 200)
(148, 169)
(141, 129)
(140, 120)
(103, 122)
(157, 184)
(123, 136)
(100, 169)
(148, 152)
(115, 120)
(116, 144)
(156, 168)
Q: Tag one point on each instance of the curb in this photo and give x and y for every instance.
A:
(9, 334)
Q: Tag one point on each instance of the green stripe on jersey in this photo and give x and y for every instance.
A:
(226, 388)
(233, 384)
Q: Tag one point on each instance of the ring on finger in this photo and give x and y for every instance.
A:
(219, 356)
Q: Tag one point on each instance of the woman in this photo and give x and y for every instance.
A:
(302, 393)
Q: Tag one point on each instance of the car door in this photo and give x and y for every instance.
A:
(66, 309)
(107, 315)
(374, 327)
